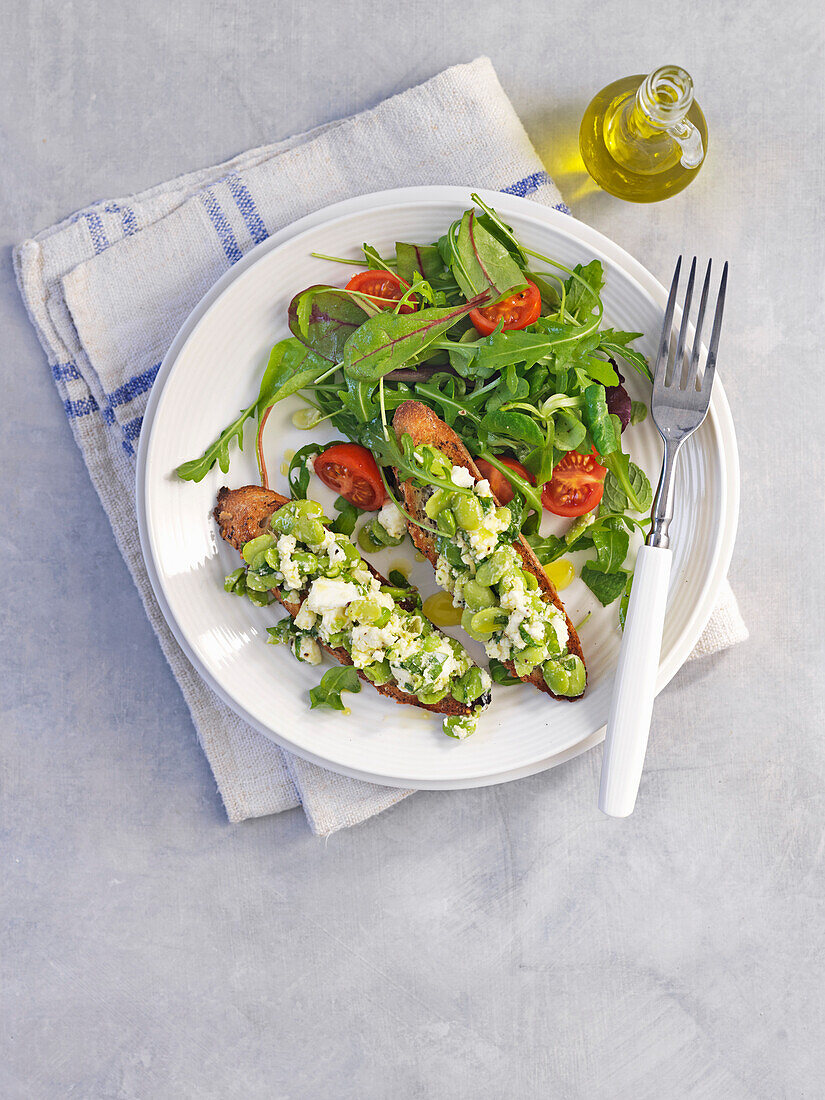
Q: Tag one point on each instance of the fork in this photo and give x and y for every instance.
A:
(679, 405)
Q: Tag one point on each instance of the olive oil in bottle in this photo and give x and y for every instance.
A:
(644, 138)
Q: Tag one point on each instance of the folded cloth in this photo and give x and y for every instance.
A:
(108, 289)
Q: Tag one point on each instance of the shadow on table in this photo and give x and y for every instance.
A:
(555, 135)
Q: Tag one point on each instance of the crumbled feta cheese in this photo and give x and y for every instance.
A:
(439, 669)
(332, 621)
(308, 650)
(483, 542)
(369, 643)
(515, 597)
(559, 624)
(403, 647)
(331, 546)
(483, 488)
(287, 567)
(511, 631)
(461, 476)
(305, 619)
(444, 574)
(326, 594)
(535, 628)
(392, 520)
(402, 677)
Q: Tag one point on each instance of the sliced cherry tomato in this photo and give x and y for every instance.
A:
(502, 489)
(351, 471)
(384, 288)
(576, 487)
(518, 311)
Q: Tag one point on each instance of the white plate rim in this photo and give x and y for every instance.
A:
(720, 420)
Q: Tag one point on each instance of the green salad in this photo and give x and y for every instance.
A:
(509, 347)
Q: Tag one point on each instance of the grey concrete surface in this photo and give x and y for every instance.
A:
(506, 942)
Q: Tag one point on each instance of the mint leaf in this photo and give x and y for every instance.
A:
(500, 675)
(606, 587)
(615, 497)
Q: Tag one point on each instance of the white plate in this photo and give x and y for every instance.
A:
(213, 369)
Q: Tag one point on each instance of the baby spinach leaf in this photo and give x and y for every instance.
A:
(388, 340)
(423, 258)
(598, 421)
(606, 587)
(333, 682)
(480, 262)
(323, 318)
(611, 549)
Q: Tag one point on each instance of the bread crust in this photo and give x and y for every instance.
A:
(425, 428)
(243, 514)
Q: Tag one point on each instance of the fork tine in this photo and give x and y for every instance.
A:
(693, 369)
(678, 360)
(664, 343)
(710, 365)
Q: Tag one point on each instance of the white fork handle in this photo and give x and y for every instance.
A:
(634, 688)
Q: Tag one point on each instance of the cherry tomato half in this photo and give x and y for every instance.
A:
(502, 489)
(518, 311)
(576, 487)
(351, 471)
(384, 288)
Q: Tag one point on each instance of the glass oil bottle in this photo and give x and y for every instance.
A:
(644, 138)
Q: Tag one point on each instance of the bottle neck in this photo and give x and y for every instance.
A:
(661, 106)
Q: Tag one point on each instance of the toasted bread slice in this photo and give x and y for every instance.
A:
(424, 427)
(243, 514)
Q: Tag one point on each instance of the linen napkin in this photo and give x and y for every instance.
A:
(108, 289)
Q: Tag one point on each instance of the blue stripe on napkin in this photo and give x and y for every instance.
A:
(222, 226)
(246, 205)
